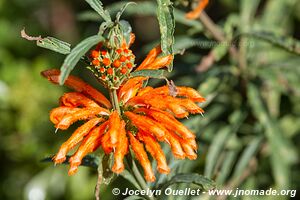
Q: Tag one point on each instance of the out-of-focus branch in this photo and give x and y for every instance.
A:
(218, 35)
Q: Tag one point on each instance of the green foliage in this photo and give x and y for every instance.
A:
(76, 54)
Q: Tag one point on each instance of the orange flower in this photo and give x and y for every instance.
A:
(197, 11)
(147, 116)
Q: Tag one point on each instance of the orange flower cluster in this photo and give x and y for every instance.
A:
(152, 111)
(112, 64)
(197, 11)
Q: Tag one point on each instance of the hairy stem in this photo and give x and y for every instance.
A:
(138, 176)
(114, 99)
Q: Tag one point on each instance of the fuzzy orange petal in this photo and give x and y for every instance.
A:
(82, 114)
(57, 114)
(197, 11)
(114, 128)
(76, 99)
(130, 88)
(158, 63)
(76, 137)
(150, 57)
(181, 91)
(121, 150)
(148, 125)
(88, 145)
(142, 157)
(78, 85)
(174, 141)
(188, 149)
(155, 150)
(169, 122)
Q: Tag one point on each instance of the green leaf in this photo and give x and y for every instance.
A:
(72, 59)
(118, 16)
(98, 7)
(245, 158)
(167, 26)
(126, 29)
(125, 174)
(215, 149)
(287, 43)
(145, 8)
(227, 166)
(204, 183)
(134, 197)
(281, 148)
(88, 161)
(54, 45)
(151, 73)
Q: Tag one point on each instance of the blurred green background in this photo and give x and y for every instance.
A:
(249, 136)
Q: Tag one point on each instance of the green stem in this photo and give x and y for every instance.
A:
(140, 179)
(114, 99)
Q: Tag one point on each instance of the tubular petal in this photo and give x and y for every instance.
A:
(189, 151)
(150, 57)
(174, 141)
(158, 63)
(114, 128)
(130, 88)
(76, 99)
(142, 157)
(168, 122)
(121, 150)
(77, 84)
(76, 137)
(144, 90)
(88, 145)
(197, 11)
(181, 91)
(148, 125)
(156, 152)
(57, 114)
(191, 106)
(82, 114)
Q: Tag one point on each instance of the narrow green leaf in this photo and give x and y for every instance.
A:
(125, 174)
(281, 148)
(204, 183)
(167, 26)
(215, 149)
(287, 43)
(72, 59)
(126, 29)
(98, 7)
(248, 153)
(119, 14)
(134, 197)
(159, 74)
(54, 45)
(145, 8)
(227, 166)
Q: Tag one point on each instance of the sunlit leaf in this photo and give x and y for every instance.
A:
(159, 74)
(98, 7)
(167, 26)
(72, 59)
(54, 45)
